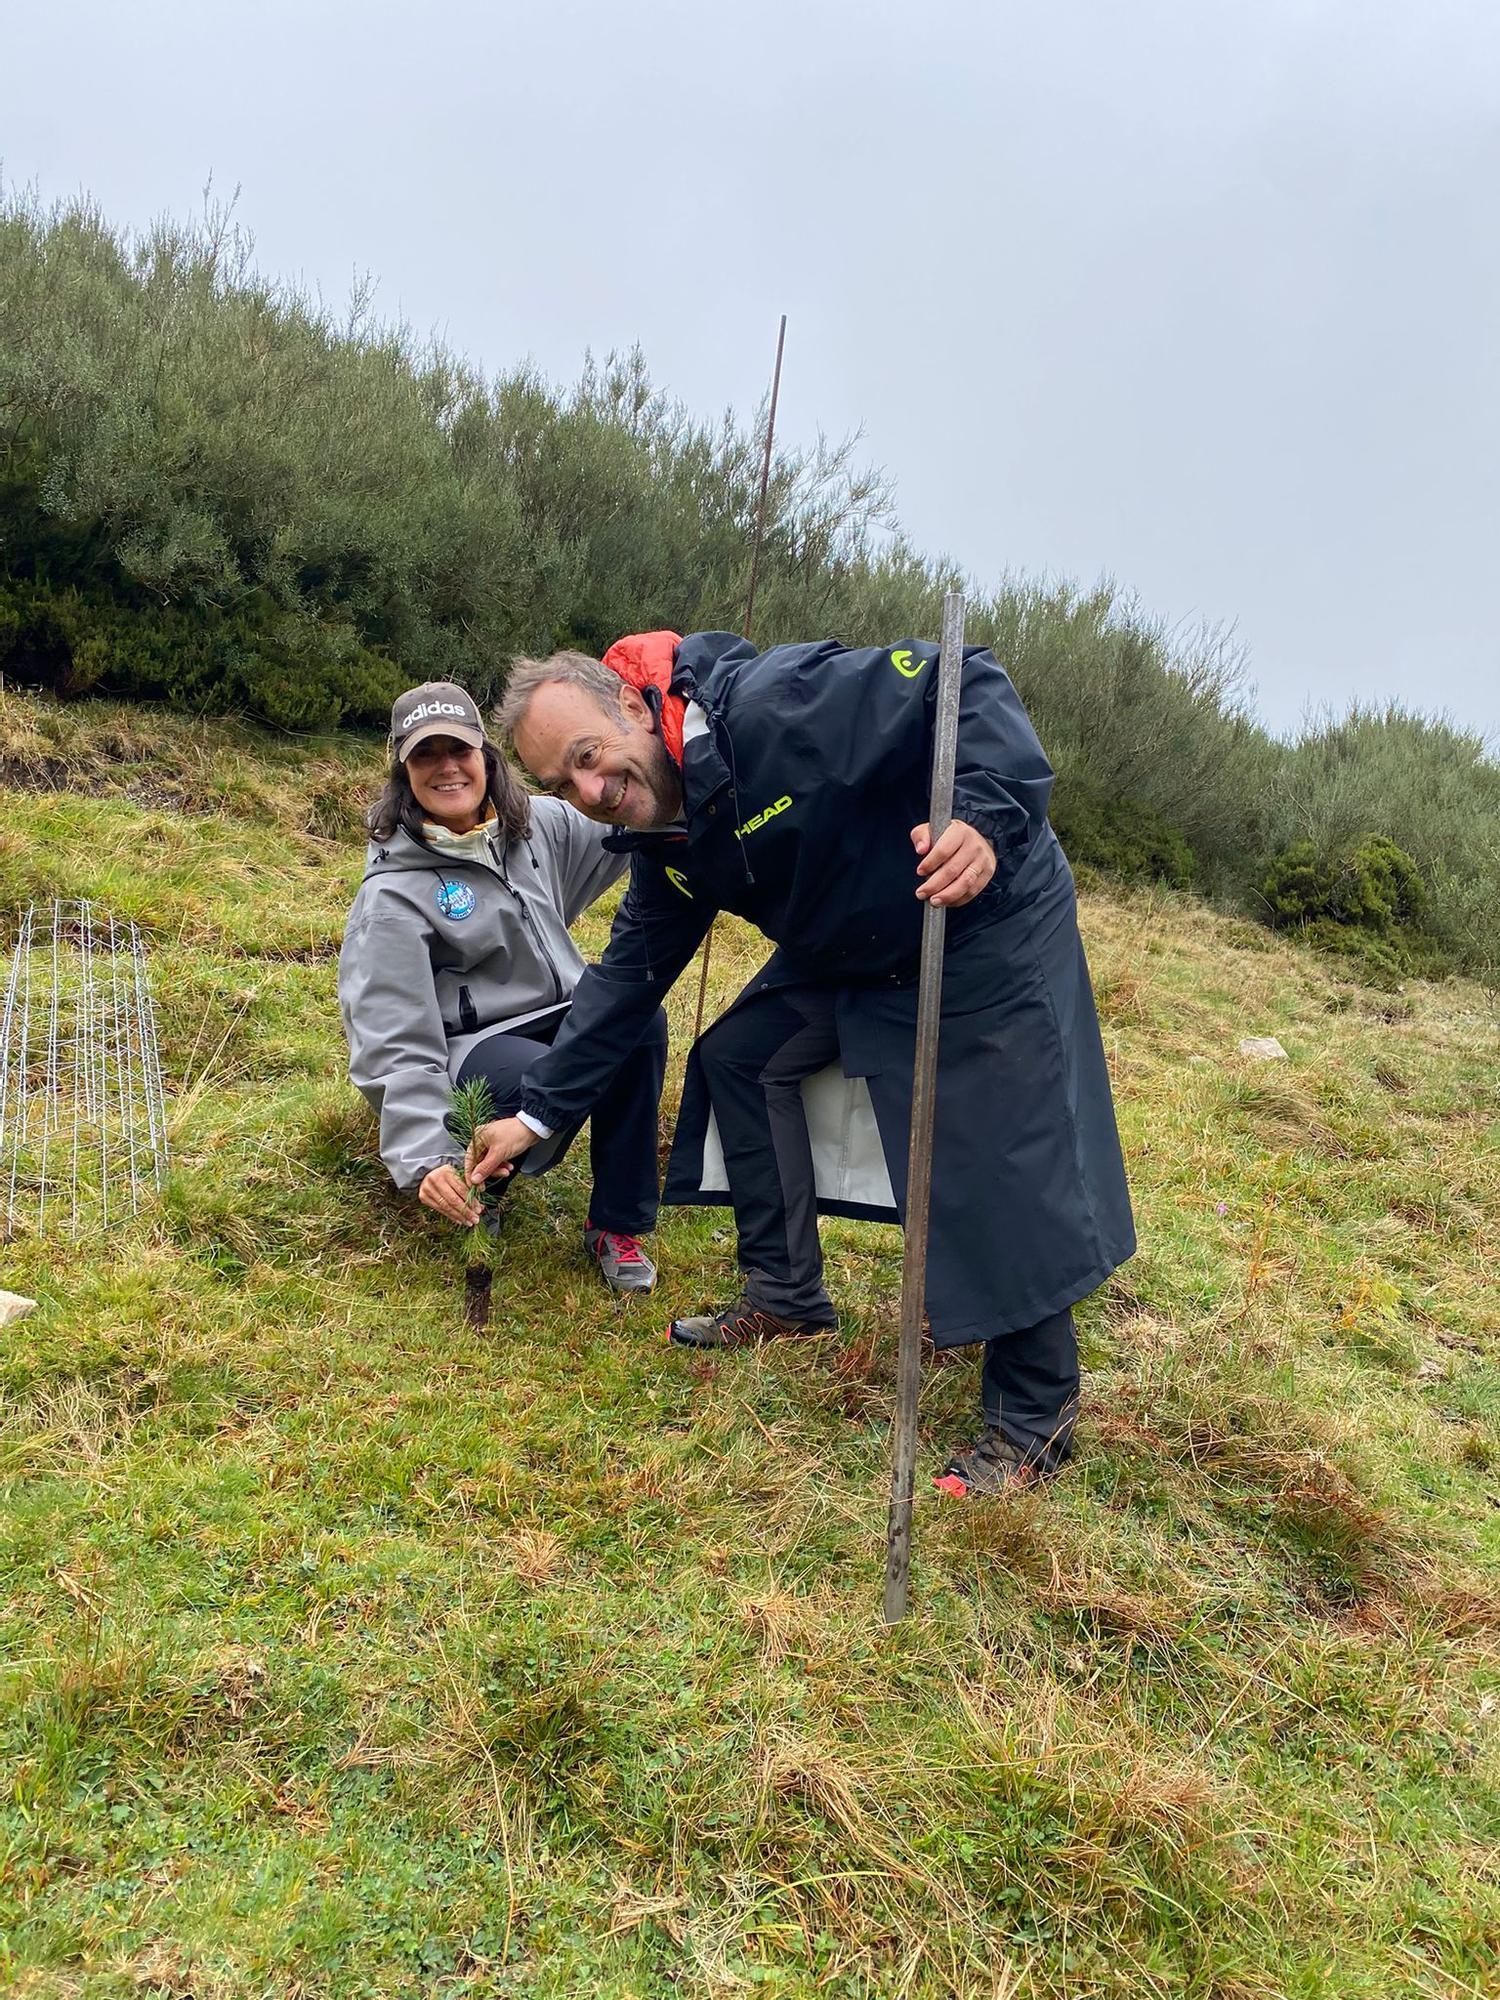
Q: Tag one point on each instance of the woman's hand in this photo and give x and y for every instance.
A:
(445, 1191)
(495, 1145)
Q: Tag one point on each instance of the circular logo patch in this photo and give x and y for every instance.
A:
(455, 900)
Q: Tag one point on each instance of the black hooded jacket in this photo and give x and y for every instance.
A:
(804, 770)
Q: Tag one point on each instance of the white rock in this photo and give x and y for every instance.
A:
(1262, 1048)
(13, 1306)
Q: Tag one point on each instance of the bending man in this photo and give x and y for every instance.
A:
(790, 787)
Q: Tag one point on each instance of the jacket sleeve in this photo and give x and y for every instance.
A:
(656, 931)
(585, 867)
(1002, 781)
(398, 1049)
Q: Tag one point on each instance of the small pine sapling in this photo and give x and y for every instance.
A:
(470, 1106)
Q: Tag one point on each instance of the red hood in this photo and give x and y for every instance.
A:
(645, 659)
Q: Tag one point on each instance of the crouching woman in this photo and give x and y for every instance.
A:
(457, 964)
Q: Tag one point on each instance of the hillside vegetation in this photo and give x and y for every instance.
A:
(217, 493)
(345, 1653)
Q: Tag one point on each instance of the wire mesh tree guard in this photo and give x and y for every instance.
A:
(83, 1122)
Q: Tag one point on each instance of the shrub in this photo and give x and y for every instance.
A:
(1374, 886)
(281, 669)
(1429, 787)
(1366, 905)
(1124, 837)
(1368, 956)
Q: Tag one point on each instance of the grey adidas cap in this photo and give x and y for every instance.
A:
(436, 708)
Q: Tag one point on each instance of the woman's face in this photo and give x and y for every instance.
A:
(447, 780)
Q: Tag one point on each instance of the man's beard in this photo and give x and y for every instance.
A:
(663, 779)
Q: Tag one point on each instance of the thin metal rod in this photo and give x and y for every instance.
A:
(129, 1102)
(109, 1042)
(150, 1070)
(765, 480)
(7, 1021)
(79, 1059)
(90, 1051)
(50, 1092)
(160, 1086)
(21, 1118)
(13, 1093)
(703, 965)
(760, 533)
(923, 1107)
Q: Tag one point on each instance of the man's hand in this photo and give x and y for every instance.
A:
(495, 1146)
(957, 868)
(444, 1190)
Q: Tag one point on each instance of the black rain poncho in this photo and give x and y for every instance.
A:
(804, 770)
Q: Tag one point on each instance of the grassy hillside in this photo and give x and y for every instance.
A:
(347, 1653)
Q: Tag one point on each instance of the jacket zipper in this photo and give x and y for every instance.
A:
(541, 950)
(530, 923)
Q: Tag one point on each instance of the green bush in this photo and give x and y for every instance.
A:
(1371, 958)
(1124, 837)
(1374, 886)
(288, 671)
(1430, 788)
(1367, 905)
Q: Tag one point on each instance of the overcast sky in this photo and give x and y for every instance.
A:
(1201, 295)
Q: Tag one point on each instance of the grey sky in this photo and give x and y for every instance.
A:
(1201, 294)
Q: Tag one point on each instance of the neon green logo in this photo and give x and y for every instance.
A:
(902, 663)
(679, 881)
(753, 825)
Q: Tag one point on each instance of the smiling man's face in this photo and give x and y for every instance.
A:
(610, 764)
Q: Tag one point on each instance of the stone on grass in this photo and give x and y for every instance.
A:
(1262, 1048)
(13, 1306)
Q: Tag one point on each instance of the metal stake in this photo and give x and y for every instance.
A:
(923, 1106)
(80, 1060)
(49, 1102)
(760, 531)
(765, 479)
(20, 1115)
(150, 1063)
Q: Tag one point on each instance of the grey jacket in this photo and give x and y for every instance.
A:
(443, 948)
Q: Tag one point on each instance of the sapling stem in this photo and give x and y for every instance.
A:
(470, 1106)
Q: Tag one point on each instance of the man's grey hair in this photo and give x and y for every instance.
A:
(573, 669)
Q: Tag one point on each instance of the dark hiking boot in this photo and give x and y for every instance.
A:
(741, 1325)
(622, 1260)
(990, 1467)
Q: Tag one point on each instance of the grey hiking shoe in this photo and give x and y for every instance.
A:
(623, 1264)
(740, 1325)
(990, 1467)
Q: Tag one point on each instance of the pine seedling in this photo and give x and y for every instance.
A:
(470, 1106)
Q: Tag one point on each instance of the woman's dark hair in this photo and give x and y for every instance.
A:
(397, 805)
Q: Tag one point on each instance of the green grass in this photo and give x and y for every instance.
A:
(348, 1653)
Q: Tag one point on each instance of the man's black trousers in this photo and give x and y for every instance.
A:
(622, 1125)
(755, 1059)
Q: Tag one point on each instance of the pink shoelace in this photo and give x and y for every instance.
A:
(625, 1248)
